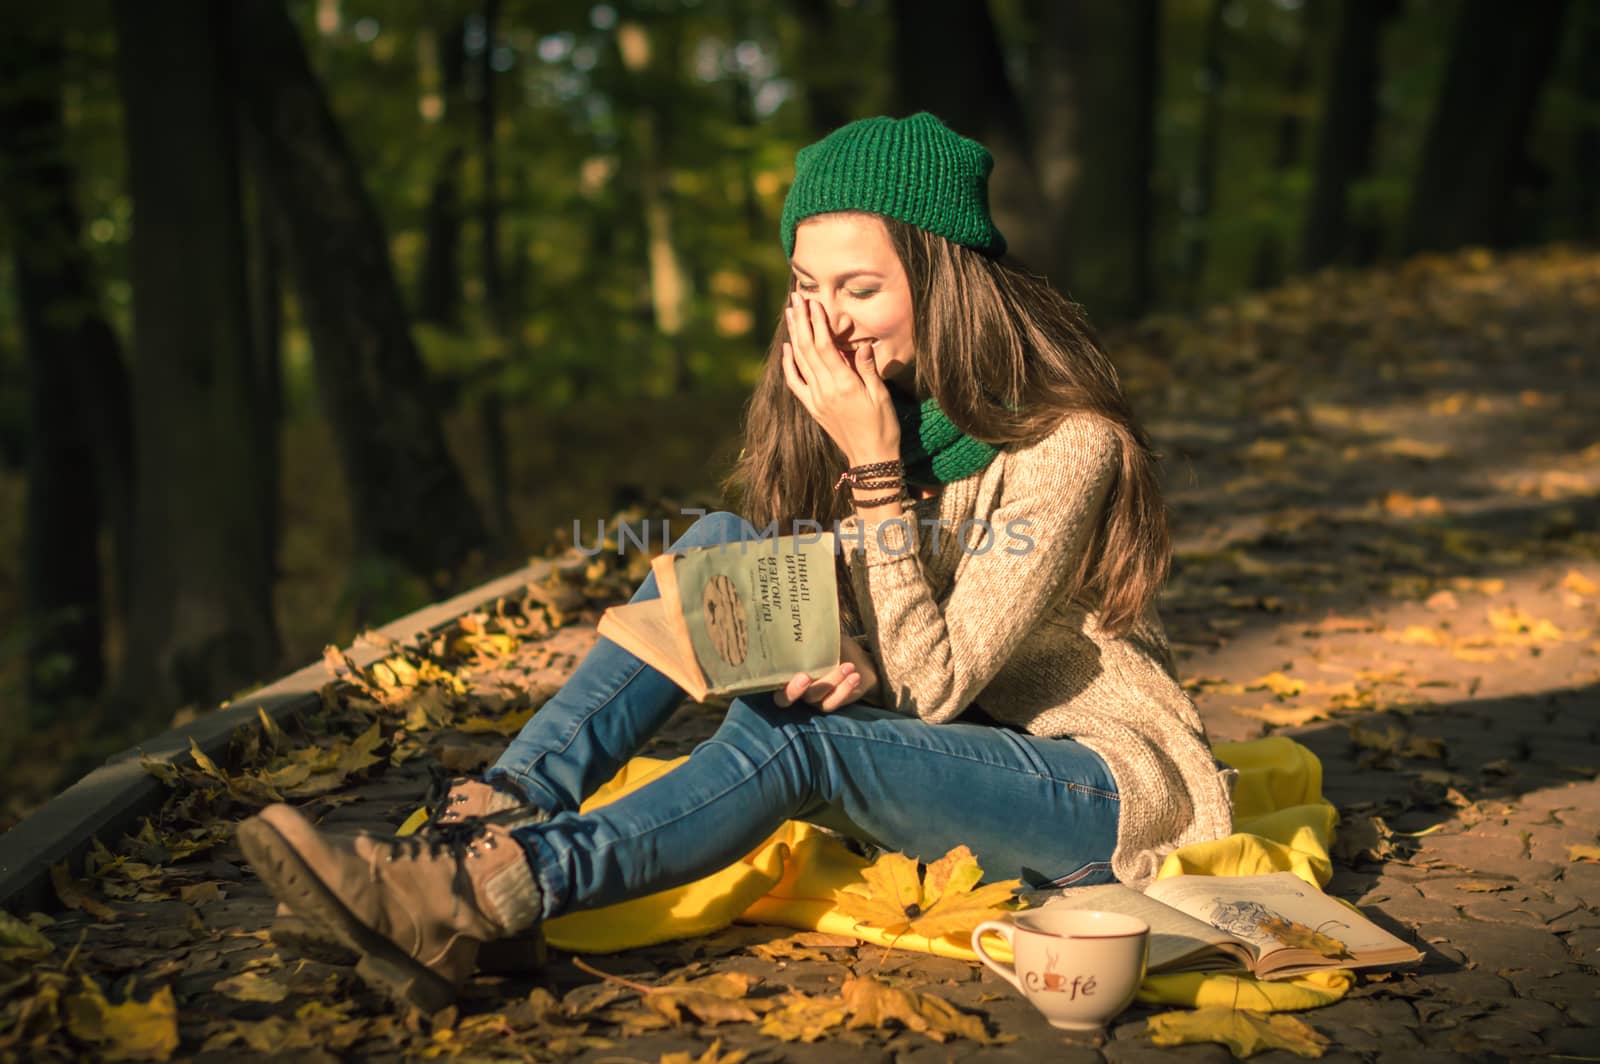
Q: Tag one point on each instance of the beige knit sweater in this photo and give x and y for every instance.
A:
(949, 627)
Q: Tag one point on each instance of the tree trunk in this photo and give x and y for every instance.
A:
(439, 283)
(1269, 260)
(948, 61)
(650, 54)
(1197, 205)
(827, 86)
(201, 619)
(265, 284)
(1499, 60)
(409, 503)
(1586, 144)
(1093, 85)
(1345, 137)
(502, 316)
(79, 457)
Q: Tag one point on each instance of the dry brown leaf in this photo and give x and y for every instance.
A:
(711, 999)
(1583, 852)
(1245, 1033)
(713, 1055)
(786, 949)
(799, 1018)
(20, 941)
(252, 986)
(874, 1003)
(75, 896)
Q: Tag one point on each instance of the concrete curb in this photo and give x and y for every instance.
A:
(110, 800)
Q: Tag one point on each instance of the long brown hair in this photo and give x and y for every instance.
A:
(1007, 357)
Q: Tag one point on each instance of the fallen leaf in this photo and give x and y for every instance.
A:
(252, 986)
(1583, 852)
(20, 942)
(1279, 684)
(874, 1003)
(942, 903)
(129, 1030)
(711, 999)
(1579, 584)
(1284, 715)
(1296, 935)
(786, 949)
(713, 1055)
(201, 893)
(1244, 1032)
(74, 896)
(799, 1018)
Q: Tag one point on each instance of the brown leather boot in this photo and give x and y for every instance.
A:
(415, 908)
(463, 798)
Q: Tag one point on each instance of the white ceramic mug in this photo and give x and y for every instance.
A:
(1078, 967)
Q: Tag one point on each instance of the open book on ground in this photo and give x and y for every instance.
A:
(1273, 926)
(737, 617)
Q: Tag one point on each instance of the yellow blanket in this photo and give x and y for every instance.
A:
(1281, 823)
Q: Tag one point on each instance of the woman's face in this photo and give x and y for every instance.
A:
(846, 263)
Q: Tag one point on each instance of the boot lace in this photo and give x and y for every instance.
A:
(458, 839)
(437, 800)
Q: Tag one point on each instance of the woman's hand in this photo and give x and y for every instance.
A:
(854, 678)
(841, 389)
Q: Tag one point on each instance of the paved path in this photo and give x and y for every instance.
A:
(1388, 515)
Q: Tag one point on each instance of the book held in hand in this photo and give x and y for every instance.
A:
(1273, 926)
(735, 618)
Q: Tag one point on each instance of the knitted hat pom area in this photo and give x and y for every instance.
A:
(915, 169)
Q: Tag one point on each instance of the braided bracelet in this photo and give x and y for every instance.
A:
(857, 475)
(881, 500)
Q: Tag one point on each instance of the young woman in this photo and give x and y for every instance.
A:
(1005, 681)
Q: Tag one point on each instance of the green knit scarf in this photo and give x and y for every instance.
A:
(934, 451)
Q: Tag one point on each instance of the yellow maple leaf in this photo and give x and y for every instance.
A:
(713, 1055)
(1242, 1031)
(20, 941)
(874, 1003)
(1579, 584)
(943, 902)
(799, 1018)
(711, 999)
(1296, 935)
(1279, 684)
(129, 1030)
(1284, 715)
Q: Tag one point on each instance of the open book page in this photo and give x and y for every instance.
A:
(759, 611)
(644, 630)
(1178, 942)
(1243, 906)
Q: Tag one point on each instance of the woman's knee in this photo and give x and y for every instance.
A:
(757, 726)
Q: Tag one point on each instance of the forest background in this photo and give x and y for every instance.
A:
(311, 313)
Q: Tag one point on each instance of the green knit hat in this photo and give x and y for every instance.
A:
(916, 169)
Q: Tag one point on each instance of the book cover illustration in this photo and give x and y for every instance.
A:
(760, 611)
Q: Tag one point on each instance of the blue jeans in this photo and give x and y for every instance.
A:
(1041, 809)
